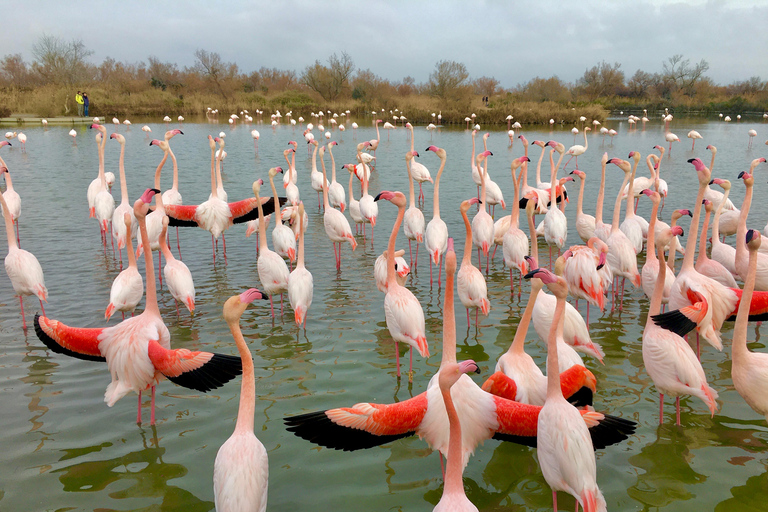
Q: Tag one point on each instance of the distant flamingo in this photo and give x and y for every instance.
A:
(336, 225)
(436, 234)
(482, 222)
(137, 350)
(128, 287)
(12, 198)
(403, 312)
(693, 135)
(241, 469)
(335, 189)
(255, 134)
(418, 171)
(473, 291)
(671, 137)
(316, 176)
(650, 272)
(22, 267)
(373, 144)
(95, 185)
(368, 208)
(177, 274)
(283, 239)
(414, 218)
(585, 223)
(668, 358)
(300, 281)
(742, 258)
(752, 135)
(555, 222)
(577, 150)
(564, 449)
(119, 227)
(515, 245)
(272, 270)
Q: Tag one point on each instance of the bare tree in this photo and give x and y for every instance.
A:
(332, 80)
(215, 70)
(683, 73)
(14, 71)
(449, 80)
(486, 86)
(61, 62)
(602, 80)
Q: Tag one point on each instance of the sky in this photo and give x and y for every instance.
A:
(513, 41)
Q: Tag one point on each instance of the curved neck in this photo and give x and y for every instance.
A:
(333, 165)
(248, 384)
(160, 168)
(100, 147)
(525, 174)
(378, 137)
(365, 173)
(10, 234)
(658, 289)
(690, 246)
(449, 323)
(436, 205)
(716, 222)
(278, 220)
(600, 197)
(151, 300)
(586, 142)
(742, 317)
(175, 170)
(123, 182)
(454, 483)
(518, 344)
(553, 365)
(213, 172)
(741, 229)
(712, 162)
(164, 245)
(411, 194)
(552, 197)
(314, 158)
(391, 281)
(467, 259)
(617, 204)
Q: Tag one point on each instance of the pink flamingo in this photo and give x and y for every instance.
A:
(582, 272)
(137, 350)
(128, 287)
(95, 185)
(335, 189)
(177, 274)
(667, 357)
(515, 244)
(482, 222)
(585, 223)
(742, 259)
(749, 368)
(555, 222)
(241, 470)
(564, 449)
(336, 224)
(272, 270)
(436, 234)
(414, 218)
(473, 291)
(373, 144)
(526, 191)
(577, 150)
(403, 312)
(300, 281)
(650, 272)
(704, 264)
(12, 198)
(454, 499)
(416, 170)
(120, 232)
(368, 207)
(481, 414)
(22, 267)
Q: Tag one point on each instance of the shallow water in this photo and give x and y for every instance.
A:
(66, 450)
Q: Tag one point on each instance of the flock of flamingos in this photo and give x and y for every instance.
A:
(518, 403)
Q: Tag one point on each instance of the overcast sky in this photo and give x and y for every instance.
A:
(512, 41)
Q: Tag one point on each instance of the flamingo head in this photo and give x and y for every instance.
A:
(697, 164)
(98, 127)
(172, 133)
(332, 143)
(579, 173)
(539, 143)
(257, 186)
(753, 239)
(468, 366)
(438, 151)
(293, 143)
(155, 142)
(712, 148)
(5, 143)
(677, 231)
(680, 213)
(655, 197)
(118, 137)
(486, 135)
(522, 138)
(251, 295)
(412, 154)
(601, 260)
(567, 254)
(566, 179)
(544, 274)
(3, 169)
(707, 205)
(532, 263)
(384, 194)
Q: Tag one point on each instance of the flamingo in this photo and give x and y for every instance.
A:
(585, 223)
(23, 140)
(749, 368)
(380, 270)
(454, 499)
(671, 137)
(255, 134)
(752, 134)
(564, 449)
(177, 274)
(418, 171)
(493, 194)
(12, 198)
(273, 272)
(354, 204)
(241, 469)
(300, 282)
(526, 191)
(602, 230)
(128, 287)
(283, 239)
(714, 195)
(693, 135)
(73, 134)
(103, 202)
(515, 244)
(414, 223)
(336, 225)
(709, 267)
(137, 350)
(577, 150)
(368, 208)
(22, 267)
(473, 166)
(555, 223)
(95, 186)
(172, 195)
(403, 312)
(621, 254)
(120, 230)
(650, 272)
(155, 218)
(586, 273)
(722, 253)
(473, 291)
(641, 183)
(691, 287)
(742, 258)
(335, 189)
(219, 156)
(667, 357)
(373, 144)
(481, 414)
(482, 223)
(316, 176)
(633, 226)
(436, 234)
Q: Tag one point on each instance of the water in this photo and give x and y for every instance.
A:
(66, 450)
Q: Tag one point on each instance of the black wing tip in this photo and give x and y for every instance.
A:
(219, 370)
(611, 430)
(529, 441)
(582, 397)
(317, 427)
(674, 321)
(268, 208)
(54, 346)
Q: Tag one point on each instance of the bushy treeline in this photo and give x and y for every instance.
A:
(46, 87)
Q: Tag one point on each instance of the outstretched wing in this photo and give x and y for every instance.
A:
(684, 320)
(363, 425)
(245, 210)
(201, 371)
(78, 342)
(182, 215)
(758, 307)
(577, 384)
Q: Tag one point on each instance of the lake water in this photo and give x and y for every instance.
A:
(64, 449)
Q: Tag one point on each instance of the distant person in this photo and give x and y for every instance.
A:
(85, 103)
(79, 101)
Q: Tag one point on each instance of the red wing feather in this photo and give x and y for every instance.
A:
(78, 342)
(201, 371)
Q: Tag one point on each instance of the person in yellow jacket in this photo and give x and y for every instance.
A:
(79, 100)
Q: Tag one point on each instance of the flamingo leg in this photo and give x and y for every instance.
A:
(440, 272)
(41, 307)
(511, 283)
(494, 251)
(152, 414)
(138, 413)
(159, 269)
(430, 274)
(281, 304)
(397, 359)
(271, 306)
(677, 407)
(410, 252)
(120, 253)
(467, 318)
(23, 320)
(554, 500)
(415, 263)
(213, 247)
(224, 243)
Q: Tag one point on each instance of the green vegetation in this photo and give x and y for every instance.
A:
(47, 86)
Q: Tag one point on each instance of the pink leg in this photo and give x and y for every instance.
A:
(23, 320)
(159, 267)
(495, 246)
(213, 248)
(410, 252)
(224, 242)
(18, 240)
(416, 262)
(430, 273)
(661, 408)
(152, 414)
(511, 283)
(271, 306)
(467, 318)
(554, 500)
(440, 273)
(677, 406)
(281, 304)
(587, 314)
(138, 414)
(477, 314)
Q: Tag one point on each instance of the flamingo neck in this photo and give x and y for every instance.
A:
(292, 167)
(9, 232)
(123, 181)
(314, 159)
(538, 166)
(712, 161)
(214, 193)
(326, 204)
(159, 170)
(365, 173)
(651, 255)
(658, 289)
(436, 205)
(129, 249)
(351, 193)
(467, 259)
(454, 470)
(586, 142)
(690, 246)
(553, 366)
(248, 384)
(391, 281)
(483, 179)
(333, 165)
(525, 173)
(151, 300)
(600, 197)
(175, 170)
(716, 222)
(739, 349)
(532, 231)
(278, 220)
(378, 137)
(518, 344)
(703, 239)
(100, 147)
(617, 204)
(741, 229)
(300, 255)
(219, 181)
(262, 223)
(473, 141)
(471, 161)
(449, 322)
(580, 202)
(164, 246)
(631, 192)
(411, 193)
(515, 216)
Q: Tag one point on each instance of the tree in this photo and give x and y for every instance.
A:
(14, 71)
(639, 86)
(485, 86)
(162, 74)
(545, 89)
(449, 80)
(332, 80)
(61, 62)
(683, 73)
(221, 74)
(602, 80)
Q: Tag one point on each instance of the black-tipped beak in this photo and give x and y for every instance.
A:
(531, 274)
(378, 196)
(181, 132)
(689, 214)
(712, 182)
(479, 202)
(742, 173)
(264, 297)
(600, 266)
(750, 235)
(682, 231)
(477, 369)
(490, 154)
(156, 191)
(427, 149)
(690, 160)
(150, 144)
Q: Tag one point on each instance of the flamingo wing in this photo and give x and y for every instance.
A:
(363, 425)
(81, 343)
(246, 210)
(684, 320)
(181, 215)
(201, 371)
(758, 307)
(577, 384)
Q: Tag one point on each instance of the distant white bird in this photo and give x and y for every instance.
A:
(181, 118)
(671, 137)
(45, 122)
(167, 119)
(115, 121)
(23, 140)
(693, 134)
(73, 134)
(727, 119)
(752, 135)
(127, 123)
(146, 128)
